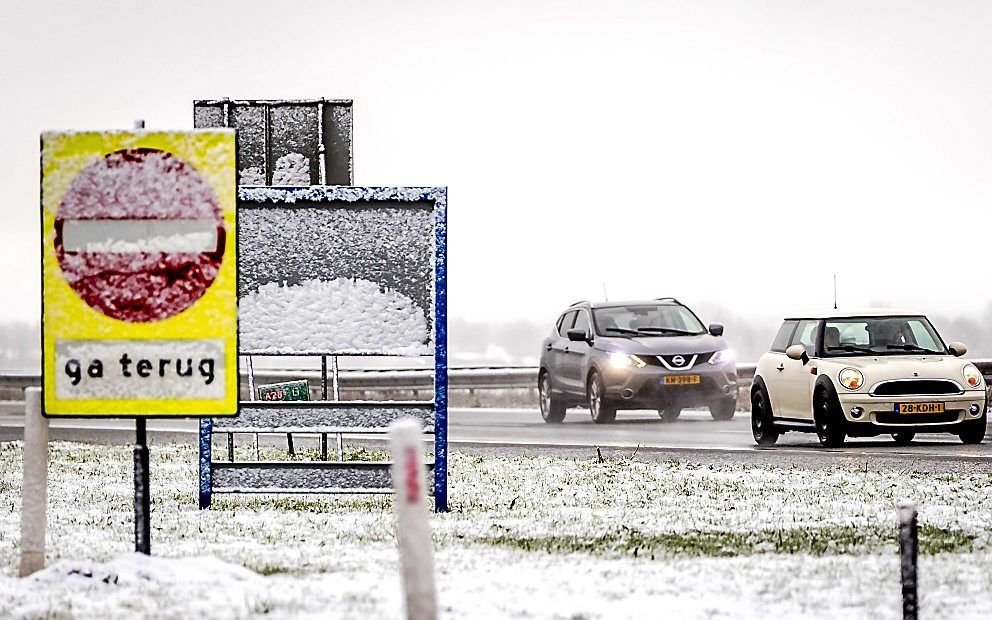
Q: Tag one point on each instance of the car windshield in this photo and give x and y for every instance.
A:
(883, 335)
(647, 320)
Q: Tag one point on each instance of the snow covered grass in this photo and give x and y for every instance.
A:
(526, 537)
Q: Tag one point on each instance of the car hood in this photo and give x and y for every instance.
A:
(887, 367)
(661, 345)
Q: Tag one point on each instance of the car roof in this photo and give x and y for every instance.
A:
(666, 301)
(856, 312)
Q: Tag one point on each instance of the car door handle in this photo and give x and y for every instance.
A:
(565, 349)
(780, 367)
(547, 347)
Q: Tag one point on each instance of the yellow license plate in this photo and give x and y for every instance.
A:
(919, 407)
(681, 379)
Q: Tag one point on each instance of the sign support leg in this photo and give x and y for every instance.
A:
(323, 396)
(441, 360)
(250, 367)
(142, 491)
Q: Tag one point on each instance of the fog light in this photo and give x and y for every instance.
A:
(973, 409)
(857, 412)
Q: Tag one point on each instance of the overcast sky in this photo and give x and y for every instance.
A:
(731, 153)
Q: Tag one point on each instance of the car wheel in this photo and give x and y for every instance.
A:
(973, 432)
(723, 409)
(828, 419)
(552, 409)
(902, 438)
(762, 427)
(601, 410)
(669, 414)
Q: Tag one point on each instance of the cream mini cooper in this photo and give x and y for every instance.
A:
(867, 373)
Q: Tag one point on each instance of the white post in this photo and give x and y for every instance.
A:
(34, 490)
(413, 531)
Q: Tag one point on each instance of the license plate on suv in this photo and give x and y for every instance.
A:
(919, 407)
(680, 379)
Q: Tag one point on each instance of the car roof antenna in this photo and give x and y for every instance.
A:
(605, 296)
(835, 291)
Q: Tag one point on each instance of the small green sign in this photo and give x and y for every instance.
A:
(290, 390)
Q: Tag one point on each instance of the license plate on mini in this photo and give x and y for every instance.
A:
(681, 379)
(919, 407)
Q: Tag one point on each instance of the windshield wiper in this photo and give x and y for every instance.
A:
(851, 348)
(912, 347)
(668, 330)
(620, 330)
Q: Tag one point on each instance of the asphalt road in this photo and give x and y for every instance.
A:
(695, 437)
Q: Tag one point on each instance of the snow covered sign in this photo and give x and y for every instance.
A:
(139, 277)
(286, 142)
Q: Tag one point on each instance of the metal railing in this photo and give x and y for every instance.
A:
(394, 380)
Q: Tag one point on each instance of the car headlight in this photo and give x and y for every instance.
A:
(851, 378)
(971, 375)
(723, 355)
(623, 360)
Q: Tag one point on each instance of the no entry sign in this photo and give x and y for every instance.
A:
(139, 274)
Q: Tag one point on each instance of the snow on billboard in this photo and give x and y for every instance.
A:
(139, 274)
(337, 270)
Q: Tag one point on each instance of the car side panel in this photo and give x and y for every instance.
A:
(795, 390)
(771, 367)
(574, 359)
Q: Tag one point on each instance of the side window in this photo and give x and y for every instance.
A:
(806, 335)
(566, 323)
(582, 321)
(781, 342)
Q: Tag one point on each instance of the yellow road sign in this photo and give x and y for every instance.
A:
(139, 275)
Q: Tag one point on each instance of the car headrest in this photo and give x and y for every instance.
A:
(831, 337)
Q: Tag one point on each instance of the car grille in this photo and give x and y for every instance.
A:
(916, 387)
(687, 362)
(891, 417)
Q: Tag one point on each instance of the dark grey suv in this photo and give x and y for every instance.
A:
(635, 355)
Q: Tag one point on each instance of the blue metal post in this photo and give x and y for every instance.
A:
(206, 488)
(441, 353)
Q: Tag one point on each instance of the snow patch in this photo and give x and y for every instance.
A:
(137, 580)
(292, 169)
(252, 176)
(336, 316)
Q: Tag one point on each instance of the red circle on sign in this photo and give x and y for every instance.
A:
(139, 278)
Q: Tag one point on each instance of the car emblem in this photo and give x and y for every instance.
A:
(678, 360)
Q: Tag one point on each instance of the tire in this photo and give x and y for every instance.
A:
(669, 414)
(723, 409)
(762, 427)
(601, 410)
(552, 409)
(903, 438)
(828, 419)
(973, 432)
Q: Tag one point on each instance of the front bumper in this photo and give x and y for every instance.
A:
(645, 387)
(881, 411)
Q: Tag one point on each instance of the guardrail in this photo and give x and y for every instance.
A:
(397, 380)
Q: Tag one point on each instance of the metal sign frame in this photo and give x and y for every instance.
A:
(207, 159)
(365, 417)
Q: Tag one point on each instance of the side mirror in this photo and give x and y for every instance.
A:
(716, 329)
(578, 335)
(957, 349)
(797, 352)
